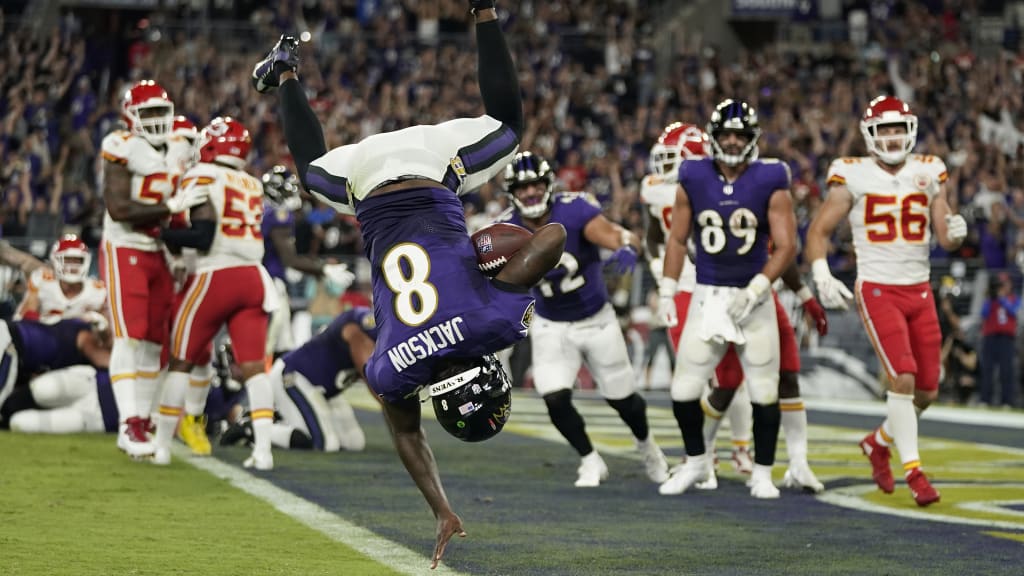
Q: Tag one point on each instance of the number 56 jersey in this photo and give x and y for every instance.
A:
(891, 215)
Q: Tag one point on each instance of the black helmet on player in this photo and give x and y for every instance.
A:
(738, 117)
(472, 397)
(528, 168)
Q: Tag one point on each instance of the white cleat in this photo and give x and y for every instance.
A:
(162, 457)
(592, 471)
(133, 439)
(696, 469)
(799, 475)
(710, 484)
(655, 464)
(761, 485)
(259, 461)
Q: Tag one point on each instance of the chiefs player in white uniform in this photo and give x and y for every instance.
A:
(65, 291)
(142, 165)
(894, 200)
(677, 143)
(230, 287)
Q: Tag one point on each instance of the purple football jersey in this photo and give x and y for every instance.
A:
(275, 218)
(730, 221)
(429, 298)
(327, 355)
(574, 289)
(43, 347)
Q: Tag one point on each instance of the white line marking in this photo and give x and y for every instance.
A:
(381, 550)
(850, 497)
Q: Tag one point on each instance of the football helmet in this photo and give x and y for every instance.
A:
(148, 112)
(734, 116)
(184, 127)
(281, 188)
(528, 168)
(472, 398)
(678, 142)
(225, 141)
(70, 258)
(885, 111)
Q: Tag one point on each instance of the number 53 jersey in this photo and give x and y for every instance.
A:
(891, 215)
(237, 200)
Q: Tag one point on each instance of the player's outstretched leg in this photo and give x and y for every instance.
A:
(794, 426)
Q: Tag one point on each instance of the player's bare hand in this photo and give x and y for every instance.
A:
(447, 526)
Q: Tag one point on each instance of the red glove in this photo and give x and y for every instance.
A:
(814, 310)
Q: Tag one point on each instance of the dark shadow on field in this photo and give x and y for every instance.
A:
(523, 516)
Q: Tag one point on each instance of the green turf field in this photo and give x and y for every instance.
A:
(74, 505)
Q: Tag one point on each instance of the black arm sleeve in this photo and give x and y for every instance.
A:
(499, 80)
(302, 129)
(198, 236)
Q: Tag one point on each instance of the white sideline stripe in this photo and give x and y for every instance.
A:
(972, 416)
(381, 550)
(850, 497)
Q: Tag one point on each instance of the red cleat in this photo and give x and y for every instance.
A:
(879, 457)
(921, 489)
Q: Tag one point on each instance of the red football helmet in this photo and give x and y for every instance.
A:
(225, 141)
(184, 127)
(885, 111)
(148, 112)
(677, 142)
(70, 258)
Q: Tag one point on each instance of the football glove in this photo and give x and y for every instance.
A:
(188, 198)
(813, 309)
(666, 313)
(744, 301)
(833, 293)
(339, 275)
(956, 227)
(622, 260)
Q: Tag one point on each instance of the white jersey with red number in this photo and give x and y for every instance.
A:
(659, 193)
(155, 174)
(55, 306)
(237, 199)
(891, 216)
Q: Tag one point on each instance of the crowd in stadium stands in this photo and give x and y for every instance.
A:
(593, 97)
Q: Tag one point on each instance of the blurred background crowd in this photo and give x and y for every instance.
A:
(600, 80)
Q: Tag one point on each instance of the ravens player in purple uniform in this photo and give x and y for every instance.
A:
(32, 348)
(309, 380)
(439, 318)
(734, 204)
(574, 321)
(281, 191)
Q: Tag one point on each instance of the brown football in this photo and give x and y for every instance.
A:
(496, 244)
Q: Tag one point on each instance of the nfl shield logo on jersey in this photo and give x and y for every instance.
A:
(921, 181)
(484, 244)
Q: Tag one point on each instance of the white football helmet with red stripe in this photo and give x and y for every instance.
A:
(70, 258)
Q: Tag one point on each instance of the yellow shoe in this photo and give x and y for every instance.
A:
(192, 432)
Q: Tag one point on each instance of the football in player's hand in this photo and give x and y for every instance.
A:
(496, 244)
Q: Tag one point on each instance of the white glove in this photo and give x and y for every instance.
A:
(657, 269)
(339, 275)
(666, 313)
(189, 197)
(956, 227)
(744, 301)
(831, 292)
(98, 320)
